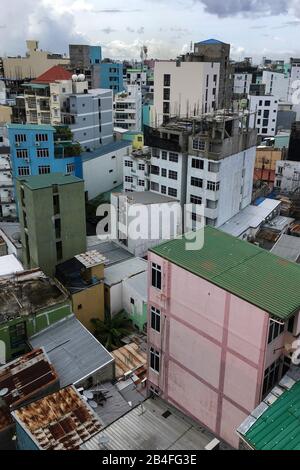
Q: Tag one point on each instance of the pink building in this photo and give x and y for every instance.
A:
(218, 322)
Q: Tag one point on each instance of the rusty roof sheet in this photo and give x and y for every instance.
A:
(24, 378)
(60, 421)
(129, 358)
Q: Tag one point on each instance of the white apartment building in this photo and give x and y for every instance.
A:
(136, 76)
(287, 175)
(277, 84)
(7, 200)
(136, 170)
(157, 218)
(207, 161)
(266, 108)
(241, 83)
(185, 89)
(128, 108)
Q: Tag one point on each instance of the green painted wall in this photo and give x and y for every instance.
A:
(39, 210)
(139, 318)
(34, 324)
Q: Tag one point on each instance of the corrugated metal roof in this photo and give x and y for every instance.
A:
(247, 271)
(146, 428)
(60, 421)
(72, 349)
(278, 427)
(113, 253)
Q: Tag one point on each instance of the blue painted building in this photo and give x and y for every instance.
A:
(111, 76)
(95, 55)
(36, 150)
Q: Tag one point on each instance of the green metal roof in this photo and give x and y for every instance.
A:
(278, 428)
(45, 181)
(247, 271)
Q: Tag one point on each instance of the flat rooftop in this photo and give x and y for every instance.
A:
(105, 149)
(9, 265)
(72, 349)
(46, 181)
(118, 272)
(31, 127)
(250, 217)
(147, 197)
(241, 268)
(113, 252)
(27, 293)
(287, 247)
(60, 421)
(152, 425)
(12, 231)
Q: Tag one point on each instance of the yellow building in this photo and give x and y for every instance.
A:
(5, 113)
(82, 277)
(34, 64)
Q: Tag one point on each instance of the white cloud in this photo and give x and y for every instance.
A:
(131, 50)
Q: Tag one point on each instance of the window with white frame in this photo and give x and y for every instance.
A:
(41, 137)
(212, 186)
(22, 153)
(154, 360)
(164, 155)
(23, 171)
(156, 276)
(141, 167)
(44, 170)
(172, 175)
(20, 138)
(141, 183)
(198, 182)
(197, 163)
(275, 330)
(129, 163)
(198, 144)
(155, 319)
(172, 192)
(128, 179)
(173, 157)
(42, 153)
(195, 199)
(70, 168)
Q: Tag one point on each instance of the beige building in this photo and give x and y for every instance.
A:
(34, 64)
(185, 89)
(5, 113)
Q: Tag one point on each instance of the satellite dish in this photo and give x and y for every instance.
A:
(3, 392)
(89, 395)
(93, 404)
(75, 78)
(81, 77)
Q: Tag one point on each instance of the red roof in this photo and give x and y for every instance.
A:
(55, 73)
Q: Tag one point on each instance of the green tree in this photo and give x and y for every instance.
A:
(110, 331)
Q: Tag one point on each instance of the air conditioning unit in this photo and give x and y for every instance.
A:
(37, 144)
(17, 144)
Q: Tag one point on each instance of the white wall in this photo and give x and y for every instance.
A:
(277, 84)
(258, 103)
(187, 87)
(116, 300)
(241, 83)
(287, 175)
(96, 172)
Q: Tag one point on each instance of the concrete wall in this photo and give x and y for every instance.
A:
(213, 349)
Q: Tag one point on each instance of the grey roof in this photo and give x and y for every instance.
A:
(287, 247)
(12, 231)
(279, 223)
(113, 252)
(72, 349)
(118, 272)
(145, 428)
(139, 284)
(105, 149)
(147, 197)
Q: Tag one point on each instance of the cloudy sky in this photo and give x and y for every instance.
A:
(254, 28)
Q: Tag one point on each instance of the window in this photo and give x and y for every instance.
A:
(213, 167)
(23, 171)
(198, 144)
(258, 121)
(164, 155)
(195, 199)
(215, 78)
(128, 179)
(211, 204)
(59, 253)
(212, 186)
(278, 184)
(41, 137)
(163, 189)
(129, 163)
(260, 103)
(265, 122)
(20, 138)
(264, 130)
(272, 376)
(196, 182)
(154, 186)
(196, 163)
(154, 359)
(141, 167)
(163, 172)
(266, 113)
(166, 107)
(167, 79)
(155, 319)
(156, 275)
(267, 103)
(42, 153)
(131, 301)
(173, 175)
(166, 94)
(291, 325)
(173, 157)
(207, 80)
(141, 183)
(211, 222)
(22, 153)
(44, 170)
(70, 168)
(17, 335)
(275, 329)
(154, 170)
(172, 192)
